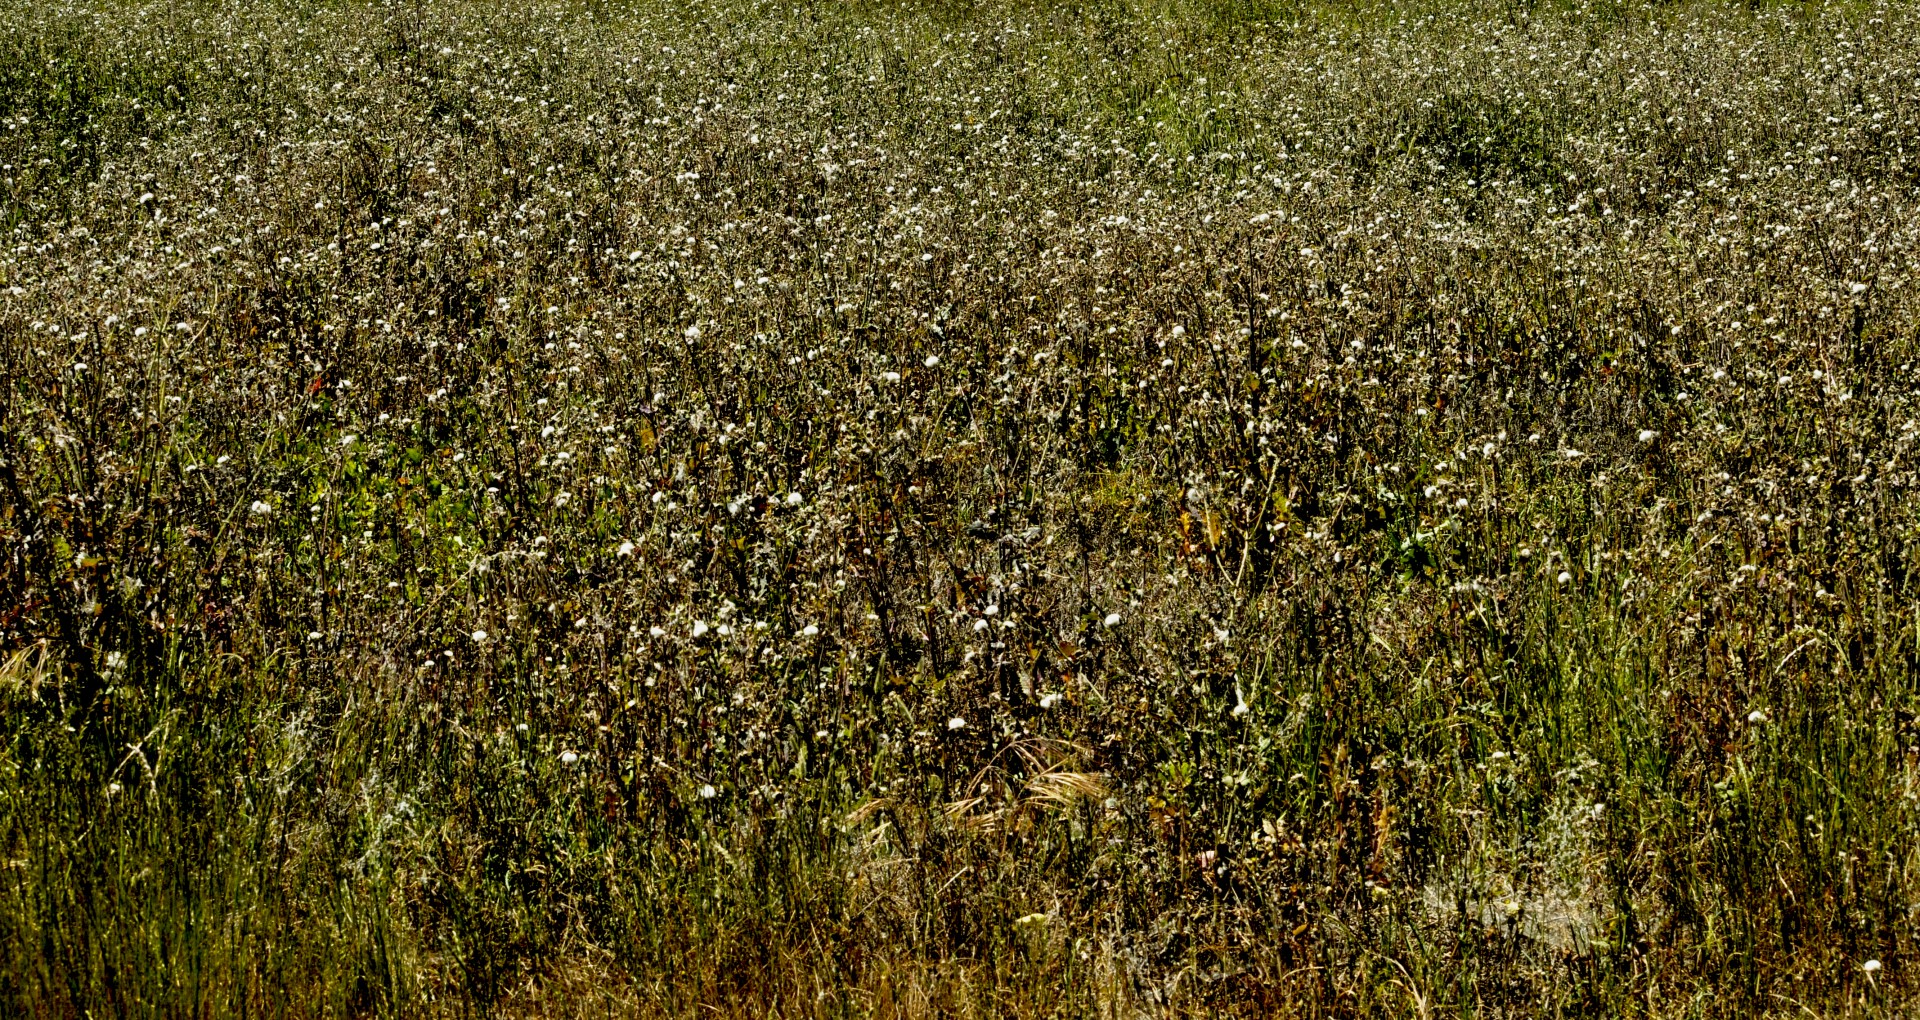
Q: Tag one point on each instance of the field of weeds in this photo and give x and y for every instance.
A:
(997, 508)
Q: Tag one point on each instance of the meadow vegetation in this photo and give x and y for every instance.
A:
(992, 507)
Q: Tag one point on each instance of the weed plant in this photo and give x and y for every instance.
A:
(1015, 507)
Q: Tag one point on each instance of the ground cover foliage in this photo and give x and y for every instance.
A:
(1087, 508)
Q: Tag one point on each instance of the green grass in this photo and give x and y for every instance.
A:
(908, 509)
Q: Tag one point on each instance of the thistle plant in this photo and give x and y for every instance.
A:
(1127, 507)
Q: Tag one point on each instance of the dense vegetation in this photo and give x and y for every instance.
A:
(1007, 507)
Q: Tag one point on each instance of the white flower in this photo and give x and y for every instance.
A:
(1112, 620)
(707, 792)
(1564, 577)
(1240, 706)
(979, 625)
(956, 723)
(990, 611)
(699, 628)
(809, 630)
(932, 361)
(479, 637)
(795, 499)
(568, 757)
(626, 549)
(890, 376)
(821, 734)
(1648, 435)
(656, 632)
(1049, 700)
(693, 332)
(261, 508)
(1871, 965)
(1757, 716)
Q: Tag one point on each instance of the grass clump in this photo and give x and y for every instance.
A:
(1011, 508)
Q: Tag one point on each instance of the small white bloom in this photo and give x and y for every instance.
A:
(568, 757)
(1112, 620)
(821, 734)
(990, 611)
(932, 361)
(656, 632)
(261, 508)
(809, 630)
(956, 723)
(1648, 435)
(479, 636)
(693, 332)
(1757, 716)
(1564, 577)
(520, 727)
(699, 628)
(626, 549)
(890, 376)
(1049, 700)
(707, 792)
(979, 625)
(1871, 965)
(795, 499)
